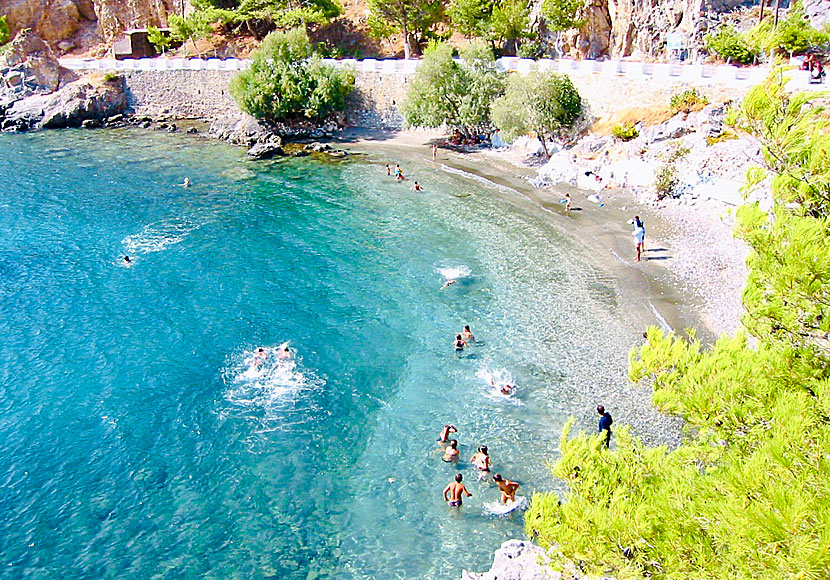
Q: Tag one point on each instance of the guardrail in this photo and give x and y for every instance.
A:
(693, 73)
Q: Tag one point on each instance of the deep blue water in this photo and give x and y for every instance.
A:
(133, 444)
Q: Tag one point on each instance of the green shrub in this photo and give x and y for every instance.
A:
(793, 35)
(688, 101)
(4, 31)
(286, 80)
(665, 179)
(728, 44)
(110, 76)
(625, 132)
(531, 49)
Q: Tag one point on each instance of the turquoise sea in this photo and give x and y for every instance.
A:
(135, 442)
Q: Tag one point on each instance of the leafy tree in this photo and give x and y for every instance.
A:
(287, 80)
(195, 27)
(412, 18)
(793, 35)
(546, 104)
(730, 45)
(470, 17)
(4, 30)
(563, 15)
(158, 38)
(286, 14)
(455, 94)
(510, 24)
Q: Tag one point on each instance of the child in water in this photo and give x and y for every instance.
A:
(459, 344)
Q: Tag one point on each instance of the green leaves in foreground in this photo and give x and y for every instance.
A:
(287, 80)
(746, 497)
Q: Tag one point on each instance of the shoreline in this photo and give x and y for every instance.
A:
(671, 287)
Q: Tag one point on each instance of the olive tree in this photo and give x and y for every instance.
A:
(454, 93)
(411, 18)
(543, 103)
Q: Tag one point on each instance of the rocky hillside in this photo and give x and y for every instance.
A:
(614, 28)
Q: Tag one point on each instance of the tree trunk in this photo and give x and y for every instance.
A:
(775, 20)
(407, 49)
(541, 137)
(761, 16)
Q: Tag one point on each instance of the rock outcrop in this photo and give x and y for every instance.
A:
(37, 92)
(69, 24)
(517, 560)
(818, 11)
(638, 28)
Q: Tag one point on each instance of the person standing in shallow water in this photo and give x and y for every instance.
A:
(605, 422)
(453, 491)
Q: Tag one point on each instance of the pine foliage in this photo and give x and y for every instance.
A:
(747, 495)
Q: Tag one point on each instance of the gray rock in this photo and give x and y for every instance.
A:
(265, 151)
(192, 131)
(243, 130)
(145, 125)
(172, 128)
(317, 147)
(517, 560)
(90, 123)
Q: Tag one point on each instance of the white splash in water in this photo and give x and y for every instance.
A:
(495, 380)
(158, 236)
(455, 272)
(496, 508)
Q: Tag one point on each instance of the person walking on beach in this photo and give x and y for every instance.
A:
(639, 237)
(388, 171)
(508, 488)
(605, 422)
(453, 491)
(434, 152)
(568, 202)
(445, 432)
(638, 223)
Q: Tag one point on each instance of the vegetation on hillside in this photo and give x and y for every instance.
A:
(4, 31)
(748, 493)
(288, 80)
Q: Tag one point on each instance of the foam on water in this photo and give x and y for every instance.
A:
(496, 508)
(158, 236)
(455, 272)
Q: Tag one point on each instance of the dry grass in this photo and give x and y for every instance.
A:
(647, 115)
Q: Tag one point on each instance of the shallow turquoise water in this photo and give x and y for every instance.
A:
(132, 445)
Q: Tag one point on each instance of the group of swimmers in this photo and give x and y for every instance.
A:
(399, 176)
(481, 460)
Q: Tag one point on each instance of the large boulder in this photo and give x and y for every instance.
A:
(28, 66)
(818, 11)
(243, 129)
(86, 99)
(265, 151)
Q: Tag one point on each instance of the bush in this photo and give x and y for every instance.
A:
(794, 35)
(688, 101)
(287, 80)
(110, 76)
(532, 49)
(728, 44)
(625, 132)
(4, 31)
(665, 179)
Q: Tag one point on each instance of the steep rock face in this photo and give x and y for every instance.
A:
(818, 11)
(28, 67)
(68, 24)
(638, 28)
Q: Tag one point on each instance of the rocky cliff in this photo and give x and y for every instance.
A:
(74, 24)
(638, 28)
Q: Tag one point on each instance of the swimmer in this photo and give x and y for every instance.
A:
(467, 335)
(459, 344)
(447, 283)
(185, 183)
(128, 261)
(285, 354)
(259, 357)
(451, 452)
(506, 389)
(416, 187)
(480, 459)
(508, 488)
(445, 432)
(453, 491)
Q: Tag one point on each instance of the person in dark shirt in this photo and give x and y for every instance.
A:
(605, 421)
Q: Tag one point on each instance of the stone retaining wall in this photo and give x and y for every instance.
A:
(375, 103)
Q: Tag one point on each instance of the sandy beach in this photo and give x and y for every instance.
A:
(693, 271)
